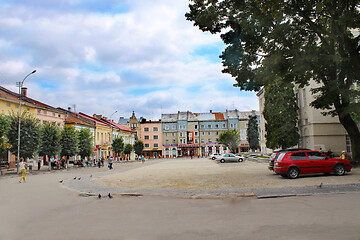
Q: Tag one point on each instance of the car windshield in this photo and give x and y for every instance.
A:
(280, 157)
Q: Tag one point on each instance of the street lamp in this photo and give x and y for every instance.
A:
(20, 84)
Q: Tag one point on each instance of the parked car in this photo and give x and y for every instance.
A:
(276, 154)
(293, 163)
(229, 157)
(213, 156)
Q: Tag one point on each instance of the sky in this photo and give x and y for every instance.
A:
(115, 57)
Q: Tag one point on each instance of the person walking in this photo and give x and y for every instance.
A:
(143, 159)
(22, 166)
(39, 164)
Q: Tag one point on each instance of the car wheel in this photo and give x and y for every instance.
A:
(222, 160)
(240, 160)
(293, 173)
(339, 169)
(213, 158)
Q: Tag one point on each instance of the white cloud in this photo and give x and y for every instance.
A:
(140, 58)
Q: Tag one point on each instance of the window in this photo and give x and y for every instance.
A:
(209, 140)
(202, 126)
(146, 137)
(174, 141)
(53, 114)
(146, 145)
(174, 134)
(209, 126)
(155, 129)
(156, 145)
(181, 134)
(316, 156)
(195, 126)
(196, 140)
(146, 129)
(173, 127)
(224, 125)
(216, 125)
(296, 156)
(45, 112)
(217, 133)
(209, 133)
(202, 140)
(156, 137)
(167, 141)
(196, 133)
(8, 104)
(202, 133)
(166, 134)
(16, 106)
(166, 127)
(231, 125)
(38, 111)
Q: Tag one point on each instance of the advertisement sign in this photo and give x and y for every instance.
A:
(190, 137)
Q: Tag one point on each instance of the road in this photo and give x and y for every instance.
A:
(42, 208)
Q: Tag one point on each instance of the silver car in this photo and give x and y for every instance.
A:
(213, 156)
(229, 157)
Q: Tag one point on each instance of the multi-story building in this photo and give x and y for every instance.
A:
(196, 134)
(132, 123)
(151, 136)
(316, 131)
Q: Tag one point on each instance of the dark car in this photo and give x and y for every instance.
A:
(293, 163)
(276, 154)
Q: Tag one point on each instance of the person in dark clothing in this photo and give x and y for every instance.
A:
(39, 164)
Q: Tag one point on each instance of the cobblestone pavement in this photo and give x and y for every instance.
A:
(85, 185)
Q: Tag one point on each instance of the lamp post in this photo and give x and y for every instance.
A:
(20, 84)
(111, 132)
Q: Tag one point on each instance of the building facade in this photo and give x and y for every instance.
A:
(151, 136)
(196, 134)
(317, 132)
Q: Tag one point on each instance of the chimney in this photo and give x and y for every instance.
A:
(24, 92)
(210, 111)
(69, 109)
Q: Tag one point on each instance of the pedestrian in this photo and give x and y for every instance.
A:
(39, 164)
(143, 159)
(22, 167)
(102, 161)
(343, 155)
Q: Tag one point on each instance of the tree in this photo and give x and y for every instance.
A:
(230, 139)
(138, 147)
(69, 142)
(29, 134)
(252, 133)
(118, 145)
(49, 144)
(298, 41)
(281, 115)
(4, 126)
(85, 140)
(128, 148)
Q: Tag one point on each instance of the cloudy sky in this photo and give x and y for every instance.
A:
(115, 55)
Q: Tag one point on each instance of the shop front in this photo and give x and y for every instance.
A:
(170, 150)
(188, 150)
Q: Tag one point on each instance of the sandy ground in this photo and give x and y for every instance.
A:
(205, 174)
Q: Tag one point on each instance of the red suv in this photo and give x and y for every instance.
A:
(292, 164)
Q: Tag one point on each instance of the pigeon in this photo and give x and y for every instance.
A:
(74, 178)
(61, 181)
(109, 195)
(79, 178)
(99, 196)
(90, 175)
(320, 186)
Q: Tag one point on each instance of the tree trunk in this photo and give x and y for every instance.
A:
(352, 129)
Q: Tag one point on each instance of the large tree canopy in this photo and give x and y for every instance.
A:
(49, 144)
(297, 41)
(231, 139)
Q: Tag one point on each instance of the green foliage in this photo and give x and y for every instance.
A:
(49, 144)
(253, 132)
(128, 148)
(118, 145)
(297, 41)
(280, 113)
(29, 134)
(4, 126)
(138, 147)
(85, 139)
(230, 139)
(69, 141)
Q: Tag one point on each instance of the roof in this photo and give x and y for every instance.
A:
(97, 121)
(74, 120)
(117, 125)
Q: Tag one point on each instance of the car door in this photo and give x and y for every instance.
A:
(319, 162)
(300, 160)
(227, 157)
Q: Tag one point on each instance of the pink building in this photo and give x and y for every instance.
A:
(151, 136)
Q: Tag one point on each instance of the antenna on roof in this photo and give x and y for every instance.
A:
(74, 105)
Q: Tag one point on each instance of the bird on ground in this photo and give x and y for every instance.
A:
(320, 186)
(90, 175)
(109, 195)
(74, 178)
(61, 181)
(99, 196)
(79, 178)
